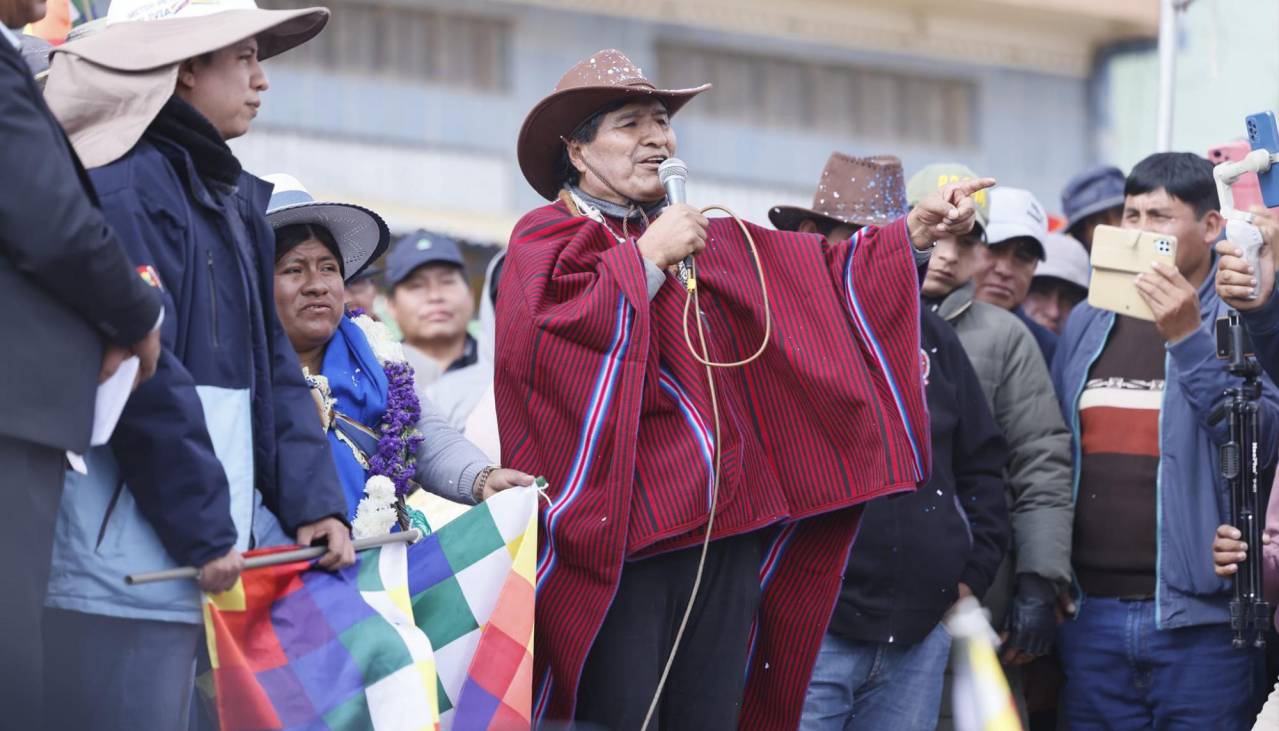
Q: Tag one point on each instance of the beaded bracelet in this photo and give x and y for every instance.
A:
(481, 480)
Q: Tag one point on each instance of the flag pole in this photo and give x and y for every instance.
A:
(275, 559)
(1168, 29)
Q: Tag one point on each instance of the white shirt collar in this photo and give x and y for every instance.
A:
(10, 36)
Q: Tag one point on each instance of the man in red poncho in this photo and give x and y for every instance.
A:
(597, 389)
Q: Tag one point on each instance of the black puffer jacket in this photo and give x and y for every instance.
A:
(913, 550)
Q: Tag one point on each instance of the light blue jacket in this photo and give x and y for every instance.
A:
(1192, 497)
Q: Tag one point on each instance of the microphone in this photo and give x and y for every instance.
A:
(674, 174)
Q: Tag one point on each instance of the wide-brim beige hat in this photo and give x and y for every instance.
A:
(107, 88)
(590, 85)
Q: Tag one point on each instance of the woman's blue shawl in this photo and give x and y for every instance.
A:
(359, 387)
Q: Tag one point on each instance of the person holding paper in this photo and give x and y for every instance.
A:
(222, 450)
(74, 309)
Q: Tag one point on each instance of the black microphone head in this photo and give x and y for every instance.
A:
(672, 167)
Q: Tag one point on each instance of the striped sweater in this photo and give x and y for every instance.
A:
(597, 390)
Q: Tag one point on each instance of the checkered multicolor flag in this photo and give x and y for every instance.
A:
(295, 648)
(472, 589)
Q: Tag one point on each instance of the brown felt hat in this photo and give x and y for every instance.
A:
(857, 191)
(592, 84)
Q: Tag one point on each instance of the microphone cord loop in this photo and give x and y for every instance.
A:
(692, 302)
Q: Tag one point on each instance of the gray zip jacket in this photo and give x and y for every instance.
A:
(1019, 390)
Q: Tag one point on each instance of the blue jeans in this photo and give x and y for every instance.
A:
(1122, 673)
(875, 685)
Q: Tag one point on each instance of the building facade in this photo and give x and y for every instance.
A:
(413, 107)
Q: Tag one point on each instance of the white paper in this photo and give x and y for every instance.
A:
(77, 463)
(113, 394)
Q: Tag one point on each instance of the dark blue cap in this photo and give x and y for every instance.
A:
(419, 249)
(1092, 191)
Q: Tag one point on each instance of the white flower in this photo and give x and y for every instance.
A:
(385, 347)
(376, 515)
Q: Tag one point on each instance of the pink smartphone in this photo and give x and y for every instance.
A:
(1247, 190)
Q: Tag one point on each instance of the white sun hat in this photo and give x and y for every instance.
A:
(107, 87)
(361, 235)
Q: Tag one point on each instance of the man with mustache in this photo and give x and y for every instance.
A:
(597, 389)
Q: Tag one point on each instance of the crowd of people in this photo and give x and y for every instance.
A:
(771, 472)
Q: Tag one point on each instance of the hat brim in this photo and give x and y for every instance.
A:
(788, 217)
(150, 44)
(361, 235)
(998, 233)
(1061, 276)
(1098, 207)
(557, 115)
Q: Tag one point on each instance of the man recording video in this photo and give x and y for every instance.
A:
(1138, 396)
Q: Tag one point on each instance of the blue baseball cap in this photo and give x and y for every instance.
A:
(418, 249)
(1092, 191)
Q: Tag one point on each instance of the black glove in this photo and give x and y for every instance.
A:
(1032, 624)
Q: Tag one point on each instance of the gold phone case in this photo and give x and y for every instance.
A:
(1118, 256)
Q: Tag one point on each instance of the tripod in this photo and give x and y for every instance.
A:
(1249, 611)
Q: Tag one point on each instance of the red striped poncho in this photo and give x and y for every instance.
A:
(597, 391)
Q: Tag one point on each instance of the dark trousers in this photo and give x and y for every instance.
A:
(111, 674)
(32, 478)
(704, 690)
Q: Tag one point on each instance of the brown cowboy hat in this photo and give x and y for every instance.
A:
(591, 84)
(855, 191)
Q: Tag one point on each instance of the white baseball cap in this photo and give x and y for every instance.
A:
(1067, 260)
(1015, 212)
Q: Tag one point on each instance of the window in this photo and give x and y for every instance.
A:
(858, 101)
(430, 46)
